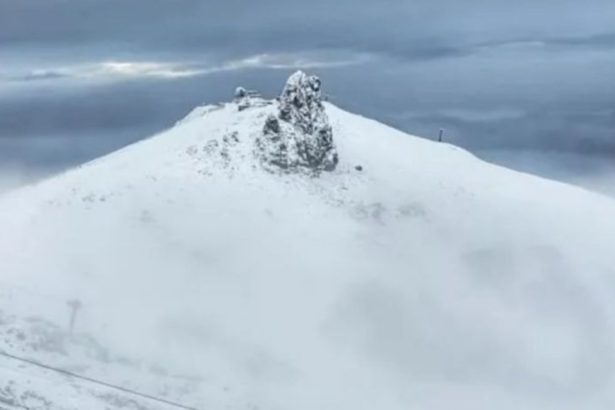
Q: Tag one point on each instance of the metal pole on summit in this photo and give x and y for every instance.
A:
(440, 135)
(74, 306)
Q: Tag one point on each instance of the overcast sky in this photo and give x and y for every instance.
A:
(527, 83)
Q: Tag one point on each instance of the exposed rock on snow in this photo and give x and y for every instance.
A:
(300, 137)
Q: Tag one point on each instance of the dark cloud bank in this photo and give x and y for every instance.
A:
(527, 84)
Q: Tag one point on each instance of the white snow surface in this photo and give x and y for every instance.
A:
(427, 280)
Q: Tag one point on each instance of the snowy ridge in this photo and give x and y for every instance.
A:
(379, 271)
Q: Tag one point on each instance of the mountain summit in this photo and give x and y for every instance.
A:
(287, 254)
(299, 136)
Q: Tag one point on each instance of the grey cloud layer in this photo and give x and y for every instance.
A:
(237, 26)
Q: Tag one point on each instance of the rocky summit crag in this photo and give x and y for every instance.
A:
(299, 137)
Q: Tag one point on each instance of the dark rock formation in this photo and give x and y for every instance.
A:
(300, 137)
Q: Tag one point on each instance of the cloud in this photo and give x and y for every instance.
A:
(140, 69)
(108, 70)
(226, 30)
(469, 115)
(295, 61)
(130, 70)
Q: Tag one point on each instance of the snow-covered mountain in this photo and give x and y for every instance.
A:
(287, 254)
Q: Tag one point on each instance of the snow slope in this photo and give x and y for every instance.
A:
(426, 279)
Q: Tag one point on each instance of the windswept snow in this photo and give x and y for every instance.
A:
(426, 280)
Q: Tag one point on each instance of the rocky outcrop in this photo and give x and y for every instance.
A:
(299, 137)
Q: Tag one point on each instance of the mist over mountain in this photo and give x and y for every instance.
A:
(288, 254)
